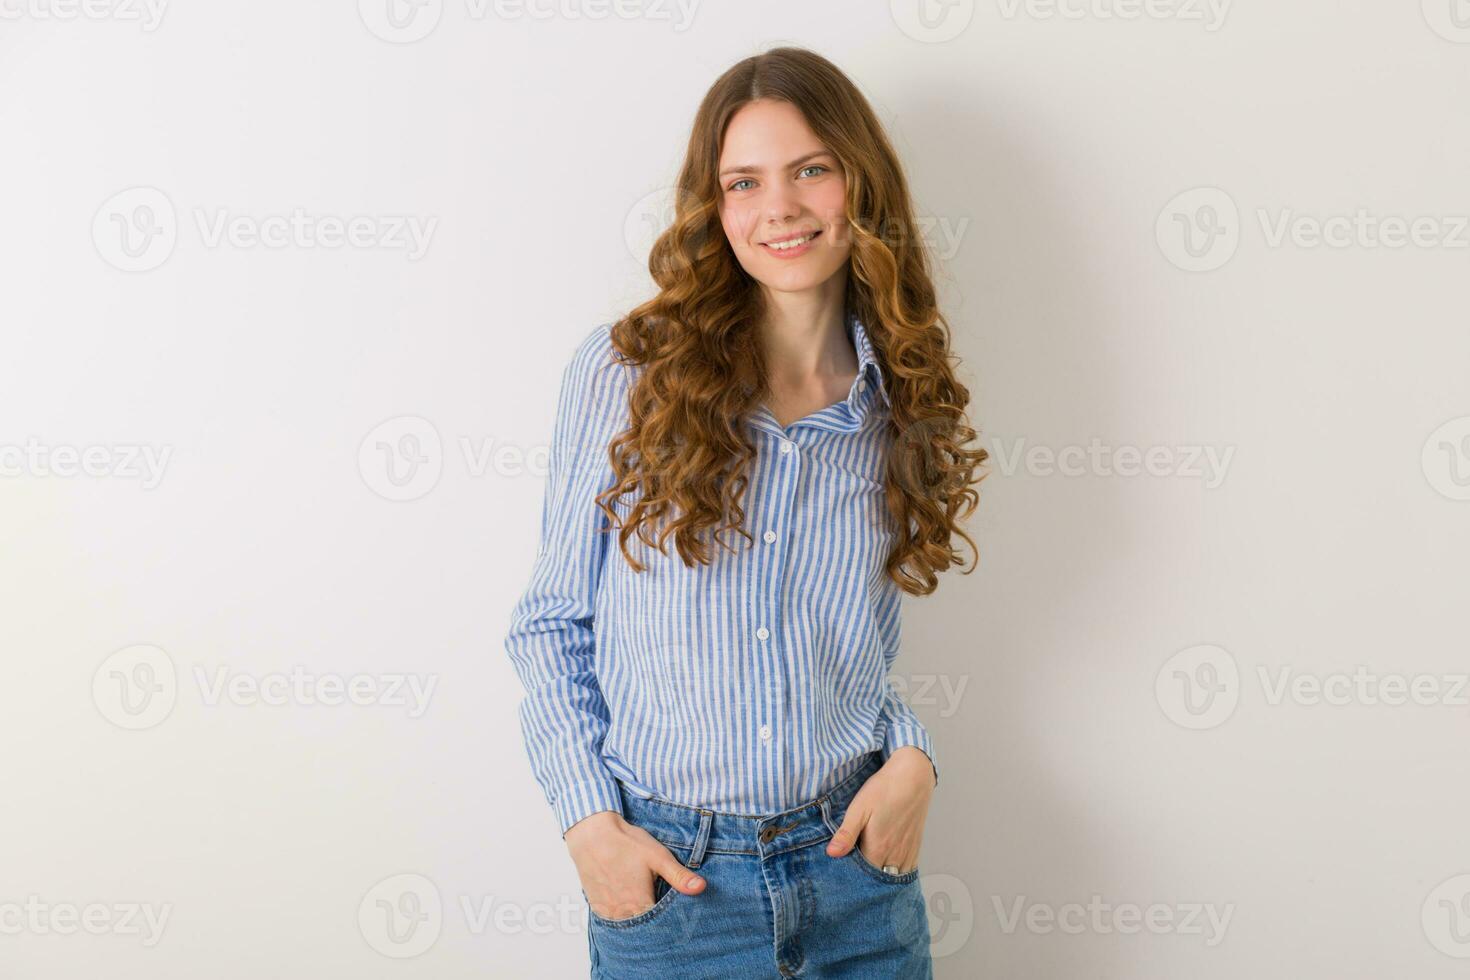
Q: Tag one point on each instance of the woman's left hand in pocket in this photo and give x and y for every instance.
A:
(885, 820)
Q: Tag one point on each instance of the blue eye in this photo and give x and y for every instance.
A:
(813, 166)
(742, 180)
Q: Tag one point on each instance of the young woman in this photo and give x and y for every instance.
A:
(741, 791)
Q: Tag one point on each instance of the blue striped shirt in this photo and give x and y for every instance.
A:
(749, 685)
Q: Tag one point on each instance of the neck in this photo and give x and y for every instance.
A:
(805, 338)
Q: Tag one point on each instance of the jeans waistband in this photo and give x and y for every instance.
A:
(702, 831)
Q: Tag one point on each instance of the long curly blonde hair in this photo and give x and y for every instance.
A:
(686, 452)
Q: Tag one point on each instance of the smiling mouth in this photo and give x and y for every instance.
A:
(791, 243)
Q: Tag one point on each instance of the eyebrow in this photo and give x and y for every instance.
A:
(746, 168)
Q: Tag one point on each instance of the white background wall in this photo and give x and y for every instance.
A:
(1104, 692)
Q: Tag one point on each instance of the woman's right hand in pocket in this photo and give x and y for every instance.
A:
(618, 864)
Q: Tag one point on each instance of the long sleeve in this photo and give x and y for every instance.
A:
(902, 727)
(897, 722)
(551, 641)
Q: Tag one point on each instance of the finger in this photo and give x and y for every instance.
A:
(847, 834)
(680, 878)
(905, 860)
(621, 903)
(905, 857)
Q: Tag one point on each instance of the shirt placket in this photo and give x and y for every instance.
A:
(772, 682)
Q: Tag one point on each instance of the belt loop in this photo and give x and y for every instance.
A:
(701, 839)
(827, 814)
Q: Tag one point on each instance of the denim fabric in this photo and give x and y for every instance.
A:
(774, 904)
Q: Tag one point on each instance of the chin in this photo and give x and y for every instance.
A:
(797, 281)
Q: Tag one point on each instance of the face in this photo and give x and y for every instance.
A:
(778, 183)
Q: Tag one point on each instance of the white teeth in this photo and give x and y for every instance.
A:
(783, 246)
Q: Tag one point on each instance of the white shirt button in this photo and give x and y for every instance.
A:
(763, 633)
(765, 733)
(862, 387)
(769, 536)
(785, 447)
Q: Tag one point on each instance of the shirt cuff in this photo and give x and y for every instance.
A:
(900, 734)
(585, 799)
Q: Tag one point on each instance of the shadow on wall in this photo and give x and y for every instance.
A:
(1005, 830)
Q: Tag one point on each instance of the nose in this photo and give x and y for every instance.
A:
(780, 205)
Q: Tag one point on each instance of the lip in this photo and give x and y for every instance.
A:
(791, 253)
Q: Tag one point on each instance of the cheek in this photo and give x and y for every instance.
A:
(828, 198)
(736, 225)
(841, 236)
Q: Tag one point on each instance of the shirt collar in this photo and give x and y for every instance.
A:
(850, 414)
(869, 370)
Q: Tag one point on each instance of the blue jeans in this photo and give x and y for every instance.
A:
(774, 903)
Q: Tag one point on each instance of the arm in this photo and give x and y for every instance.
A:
(897, 722)
(901, 727)
(551, 641)
(885, 819)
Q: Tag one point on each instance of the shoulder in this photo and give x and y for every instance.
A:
(595, 354)
(596, 378)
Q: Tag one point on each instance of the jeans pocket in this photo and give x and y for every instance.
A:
(886, 877)
(663, 897)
